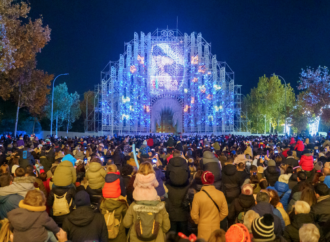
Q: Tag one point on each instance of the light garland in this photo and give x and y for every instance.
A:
(132, 69)
(125, 100)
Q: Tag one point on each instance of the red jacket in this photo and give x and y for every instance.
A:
(292, 141)
(150, 142)
(285, 153)
(113, 186)
(299, 146)
(307, 162)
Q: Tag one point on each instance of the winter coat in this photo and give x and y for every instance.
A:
(79, 155)
(25, 158)
(160, 176)
(50, 154)
(291, 161)
(118, 157)
(114, 186)
(155, 207)
(205, 213)
(283, 188)
(150, 142)
(272, 173)
(65, 174)
(95, 175)
(292, 141)
(170, 142)
(216, 146)
(83, 224)
(262, 208)
(31, 223)
(212, 164)
(248, 151)
(284, 214)
(8, 203)
(240, 204)
(45, 163)
(327, 181)
(145, 187)
(240, 159)
(307, 162)
(321, 212)
(299, 146)
(120, 207)
(295, 197)
(19, 186)
(231, 182)
(60, 191)
(177, 171)
(291, 232)
(175, 202)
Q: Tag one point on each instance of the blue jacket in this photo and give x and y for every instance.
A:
(70, 158)
(281, 188)
(160, 176)
(8, 203)
(327, 181)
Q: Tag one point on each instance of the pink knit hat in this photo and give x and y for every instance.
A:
(247, 189)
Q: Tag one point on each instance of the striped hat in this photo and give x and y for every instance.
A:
(263, 229)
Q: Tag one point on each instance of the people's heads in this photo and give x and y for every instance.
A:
(309, 233)
(278, 160)
(29, 170)
(301, 176)
(237, 232)
(241, 166)
(229, 161)
(289, 170)
(308, 195)
(274, 198)
(253, 169)
(217, 236)
(207, 178)
(263, 184)
(34, 198)
(198, 176)
(263, 228)
(289, 153)
(127, 170)
(146, 168)
(20, 172)
(82, 199)
(43, 176)
(4, 168)
(5, 180)
(321, 189)
(302, 207)
(263, 197)
(112, 168)
(249, 217)
(96, 159)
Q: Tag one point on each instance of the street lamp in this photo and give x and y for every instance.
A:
(284, 99)
(51, 115)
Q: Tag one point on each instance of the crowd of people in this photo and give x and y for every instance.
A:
(165, 188)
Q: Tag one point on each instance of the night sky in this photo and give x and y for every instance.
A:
(253, 37)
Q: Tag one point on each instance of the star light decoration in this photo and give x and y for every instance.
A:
(186, 108)
(140, 59)
(192, 99)
(194, 60)
(202, 88)
(146, 108)
(217, 108)
(195, 79)
(132, 69)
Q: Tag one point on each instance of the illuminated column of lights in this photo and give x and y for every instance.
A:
(224, 98)
(112, 119)
(216, 95)
(120, 91)
(201, 86)
(193, 81)
(186, 87)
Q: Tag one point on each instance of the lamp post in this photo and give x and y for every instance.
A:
(51, 115)
(284, 99)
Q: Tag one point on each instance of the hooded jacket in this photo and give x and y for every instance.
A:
(291, 161)
(145, 187)
(83, 224)
(150, 142)
(299, 146)
(291, 232)
(177, 171)
(31, 223)
(19, 186)
(231, 182)
(114, 186)
(212, 164)
(26, 158)
(160, 176)
(307, 162)
(284, 192)
(242, 203)
(272, 173)
(95, 175)
(8, 203)
(65, 174)
(45, 163)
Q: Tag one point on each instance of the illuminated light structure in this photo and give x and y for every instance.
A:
(169, 70)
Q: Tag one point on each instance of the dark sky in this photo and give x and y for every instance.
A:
(253, 37)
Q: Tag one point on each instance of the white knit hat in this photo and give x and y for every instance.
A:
(284, 178)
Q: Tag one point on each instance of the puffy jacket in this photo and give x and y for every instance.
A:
(292, 141)
(20, 186)
(114, 185)
(65, 174)
(144, 187)
(231, 182)
(26, 158)
(283, 188)
(8, 203)
(45, 163)
(95, 175)
(307, 162)
(299, 146)
(321, 212)
(248, 151)
(177, 172)
(242, 203)
(150, 142)
(160, 176)
(212, 164)
(291, 232)
(272, 174)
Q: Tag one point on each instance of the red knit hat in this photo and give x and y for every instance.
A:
(207, 178)
(238, 232)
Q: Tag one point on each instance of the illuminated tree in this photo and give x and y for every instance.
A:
(74, 111)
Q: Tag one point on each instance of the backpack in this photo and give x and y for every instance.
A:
(179, 176)
(146, 226)
(5, 230)
(61, 206)
(112, 223)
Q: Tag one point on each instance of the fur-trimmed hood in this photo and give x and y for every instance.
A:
(148, 207)
(25, 179)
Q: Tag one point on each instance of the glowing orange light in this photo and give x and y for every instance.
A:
(132, 69)
(194, 60)
(146, 108)
(186, 108)
(201, 69)
(192, 100)
(209, 73)
(195, 79)
(202, 88)
(209, 97)
(140, 59)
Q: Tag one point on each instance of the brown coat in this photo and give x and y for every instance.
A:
(205, 213)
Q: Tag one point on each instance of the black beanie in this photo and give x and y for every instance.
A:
(82, 199)
(263, 229)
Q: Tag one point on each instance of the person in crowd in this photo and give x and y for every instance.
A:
(301, 177)
(290, 160)
(30, 222)
(272, 172)
(299, 148)
(309, 233)
(30, 172)
(282, 189)
(307, 161)
(263, 230)
(95, 174)
(211, 163)
(241, 169)
(177, 170)
(231, 181)
(264, 207)
(275, 202)
(65, 174)
(83, 224)
(237, 232)
(126, 173)
(209, 207)
(114, 184)
(249, 217)
(26, 158)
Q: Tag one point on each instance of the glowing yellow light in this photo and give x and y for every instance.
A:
(194, 60)
(125, 100)
(209, 97)
(186, 108)
(140, 59)
(216, 87)
(195, 79)
(192, 100)
(132, 69)
(202, 88)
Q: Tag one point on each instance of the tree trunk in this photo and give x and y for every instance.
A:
(17, 112)
(56, 124)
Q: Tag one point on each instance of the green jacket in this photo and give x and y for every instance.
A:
(95, 175)
(65, 174)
